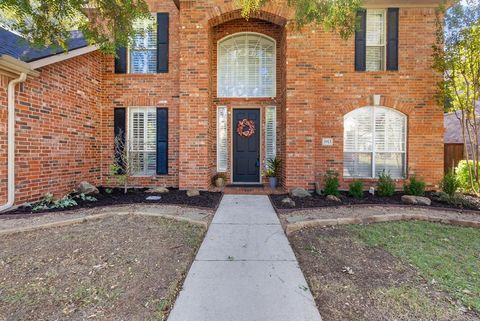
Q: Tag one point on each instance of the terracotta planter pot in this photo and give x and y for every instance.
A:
(219, 182)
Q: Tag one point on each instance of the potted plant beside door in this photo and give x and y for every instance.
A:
(273, 169)
(219, 180)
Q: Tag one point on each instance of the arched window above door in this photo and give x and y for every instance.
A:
(246, 66)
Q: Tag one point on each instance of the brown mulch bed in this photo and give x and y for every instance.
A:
(137, 196)
(350, 281)
(368, 199)
(119, 268)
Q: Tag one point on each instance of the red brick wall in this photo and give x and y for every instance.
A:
(65, 117)
(411, 90)
(145, 90)
(57, 127)
(320, 87)
(3, 138)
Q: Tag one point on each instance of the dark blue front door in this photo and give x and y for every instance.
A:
(246, 150)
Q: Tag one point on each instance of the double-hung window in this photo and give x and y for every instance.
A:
(143, 50)
(374, 142)
(375, 53)
(142, 140)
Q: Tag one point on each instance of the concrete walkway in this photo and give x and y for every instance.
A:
(245, 270)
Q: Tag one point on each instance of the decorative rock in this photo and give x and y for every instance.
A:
(416, 200)
(86, 188)
(157, 190)
(318, 190)
(333, 198)
(288, 201)
(153, 198)
(193, 192)
(300, 192)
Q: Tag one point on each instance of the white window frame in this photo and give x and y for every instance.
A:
(274, 63)
(374, 151)
(222, 164)
(145, 150)
(384, 45)
(130, 49)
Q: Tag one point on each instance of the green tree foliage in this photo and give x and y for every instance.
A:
(457, 57)
(105, 23)
(334, 15)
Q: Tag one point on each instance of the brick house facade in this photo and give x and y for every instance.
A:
(65, 117)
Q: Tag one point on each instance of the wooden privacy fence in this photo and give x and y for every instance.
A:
(453, 153)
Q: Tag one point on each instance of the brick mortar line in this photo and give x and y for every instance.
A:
(85, 219)
(294, 227)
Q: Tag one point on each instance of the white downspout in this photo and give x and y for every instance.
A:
(11, 141)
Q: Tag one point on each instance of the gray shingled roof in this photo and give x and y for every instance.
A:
(453, 128)
(14, 45)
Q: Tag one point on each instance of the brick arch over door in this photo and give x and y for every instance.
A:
(264, 24)
(219, 15)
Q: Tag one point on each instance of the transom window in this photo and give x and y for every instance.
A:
(143, 50)
(374, 141)
(246, 66)
(142, 145)
(376, 43)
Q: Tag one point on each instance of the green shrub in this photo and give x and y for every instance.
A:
(414, 187)
(455, 199)
(356, 189)
(331, 183)
(463, 177)
(449, 184)
(386, 185)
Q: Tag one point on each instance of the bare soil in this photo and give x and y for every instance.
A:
(119, 268)
(350, 281)
(320, 201)
(137, 196)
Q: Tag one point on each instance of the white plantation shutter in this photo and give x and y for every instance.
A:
(142, 140)
(270, 132)
(358, 143)
(376, 34)
(143, 52)
(374, 141)
(390, 132)
(246, 66)
(222, 143)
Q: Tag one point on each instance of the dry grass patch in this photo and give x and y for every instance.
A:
(119, 268)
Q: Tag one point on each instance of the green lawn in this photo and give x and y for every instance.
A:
(450, 255)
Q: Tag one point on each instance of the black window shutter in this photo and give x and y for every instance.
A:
(392, 39)
(162, 141)
(121, 61)
(361, 41)
(162, 42)
(119, 120)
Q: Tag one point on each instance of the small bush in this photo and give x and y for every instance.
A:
(449, 184)
(385, 186)
(356, 189)
(331, 183)
(455, 199)
(463, 177)
(415, 187)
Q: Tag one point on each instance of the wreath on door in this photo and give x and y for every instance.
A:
(246, 127)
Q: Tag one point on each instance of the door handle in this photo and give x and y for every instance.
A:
(257, 163)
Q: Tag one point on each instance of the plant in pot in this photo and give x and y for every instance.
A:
(273, 169)
(219, 180)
